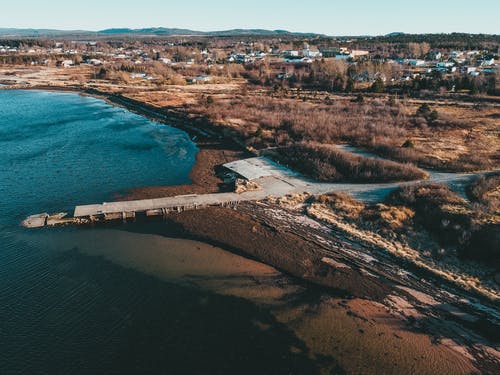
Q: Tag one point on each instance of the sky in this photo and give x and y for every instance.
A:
(331, 17)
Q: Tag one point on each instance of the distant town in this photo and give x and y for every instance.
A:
(331, 64)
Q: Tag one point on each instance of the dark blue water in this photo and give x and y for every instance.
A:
(65, 312)
(59, 149)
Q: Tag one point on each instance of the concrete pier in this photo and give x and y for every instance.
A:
(273, 180)
(42, 220)
(35, 221)
(162, 206)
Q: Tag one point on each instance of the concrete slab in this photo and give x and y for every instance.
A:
(254, 168)
(35, 221)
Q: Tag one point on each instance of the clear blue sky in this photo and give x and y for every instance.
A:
(332, 17)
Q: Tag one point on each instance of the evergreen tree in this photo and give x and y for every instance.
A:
(378, 85)
(349, 85)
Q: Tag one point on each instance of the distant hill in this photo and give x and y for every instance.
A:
(396, 33)
(149, 31)
(160, 31)
(6, 32)
(175, 31)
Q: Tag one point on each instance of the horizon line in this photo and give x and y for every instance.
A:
(242, 29)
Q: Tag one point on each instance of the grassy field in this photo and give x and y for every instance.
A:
(455, 138)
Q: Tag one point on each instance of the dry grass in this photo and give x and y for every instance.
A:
(461, 138)
(326, 163)
(455, 223)
(267, 121)
(397, 229)
(342, 203)
(389, 218)
(486, 192)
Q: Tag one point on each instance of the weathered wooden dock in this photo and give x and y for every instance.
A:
(272, 178)
(160, 206)
(124, 210)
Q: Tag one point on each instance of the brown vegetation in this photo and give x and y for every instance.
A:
(325, 163)
(277, 122)
(426, 239)
(450, 138)
(379, 217)
(452, 221)
(486, 192)
(342, 203)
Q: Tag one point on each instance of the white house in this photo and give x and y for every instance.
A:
(94, 62)
(298, 60)
(306, 52)
(416, 62)
(445, 64)
(165, 60)
(470, 69)
(200, 79)
(487, 61)
(358, 53)
(66, 63)
(435, 55)
(291, 53)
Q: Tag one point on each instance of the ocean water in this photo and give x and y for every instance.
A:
(112, 300)
(59, 149)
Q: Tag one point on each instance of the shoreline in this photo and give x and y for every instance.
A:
(214, 147)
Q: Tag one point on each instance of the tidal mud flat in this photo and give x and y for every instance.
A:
(443, 316)
(326, 332)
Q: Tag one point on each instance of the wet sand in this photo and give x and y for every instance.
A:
(338, 335)
(289, 252)
(364, 338)
(191, 262)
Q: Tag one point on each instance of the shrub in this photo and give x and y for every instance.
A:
(451, 221)
(484, 190)
(424, 196)
(423, 110)
(484, 245)
(378, 85)
(325, 163)
(433, 116)
(408, 144)
(478, 189)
